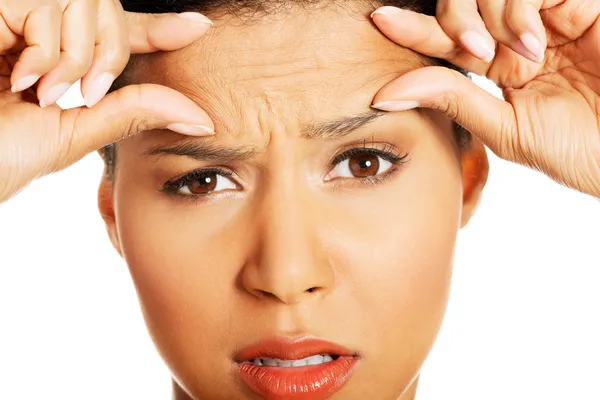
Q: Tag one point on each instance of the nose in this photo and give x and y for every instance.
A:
(288, 262)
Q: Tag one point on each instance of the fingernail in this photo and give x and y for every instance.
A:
(24, 83)
(194, 16)
(55, 93)
(534, 46)
(387, 10)
(477, 44)
(395, 105)
(193, 130)
(98, 89)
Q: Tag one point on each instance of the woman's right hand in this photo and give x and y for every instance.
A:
(53, 43)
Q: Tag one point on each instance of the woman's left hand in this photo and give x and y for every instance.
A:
(544, 54)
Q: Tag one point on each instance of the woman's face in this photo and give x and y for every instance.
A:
(308, 214)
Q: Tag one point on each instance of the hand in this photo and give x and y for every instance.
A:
(549, 119)
(61, 42)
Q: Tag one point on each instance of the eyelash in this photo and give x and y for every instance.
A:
(173, 186)
(388, 153)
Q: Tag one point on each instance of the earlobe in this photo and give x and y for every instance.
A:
(107, 211)
(475, 166)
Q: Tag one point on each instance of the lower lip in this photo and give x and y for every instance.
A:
(311, 382)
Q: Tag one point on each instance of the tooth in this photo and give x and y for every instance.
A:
(275, 362)
(269, 362)
(299, 363)
(314, 360)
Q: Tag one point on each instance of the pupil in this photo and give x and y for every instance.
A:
(203, 185)
(364, 166)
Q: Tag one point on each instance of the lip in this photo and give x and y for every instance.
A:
(312, 382)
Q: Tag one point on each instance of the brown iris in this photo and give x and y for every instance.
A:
(363, 166)
(204, 184)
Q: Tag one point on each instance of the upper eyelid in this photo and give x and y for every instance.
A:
(172, 184)
(388, 149)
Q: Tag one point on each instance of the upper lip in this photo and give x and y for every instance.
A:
(284, 348)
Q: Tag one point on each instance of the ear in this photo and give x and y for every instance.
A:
(107, 210)
(475, 167)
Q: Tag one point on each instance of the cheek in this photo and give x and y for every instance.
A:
(396, 259)
(183, 268)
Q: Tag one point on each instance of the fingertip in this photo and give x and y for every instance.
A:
(477, 44)
(98, 89)
(196, 17)
(533, 46)
(191, 129)
(164, 103)
(53, 94)
(24, 83)
(394, 106)
(169, 32)
(386, 10)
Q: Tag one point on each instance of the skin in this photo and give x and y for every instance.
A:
(548, 119)
(45, 46)
(241, 261)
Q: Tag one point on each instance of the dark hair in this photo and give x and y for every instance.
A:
(260, 6)
(257, 8)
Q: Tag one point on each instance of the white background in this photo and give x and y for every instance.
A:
(523, 320)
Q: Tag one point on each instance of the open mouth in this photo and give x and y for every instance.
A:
(312, 360)
(304, 369)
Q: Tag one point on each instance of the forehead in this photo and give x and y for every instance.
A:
(289, 68)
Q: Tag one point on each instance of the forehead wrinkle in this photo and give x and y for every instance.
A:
(234, 83)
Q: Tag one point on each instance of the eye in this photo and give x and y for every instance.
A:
(201, 183)
(363, 163)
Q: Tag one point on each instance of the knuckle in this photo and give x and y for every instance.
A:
(49, 10)
(135, 121)
(136, 125)
(492, 12)
(80, 63)
(116, 57)
(454, 17)
(515, 20)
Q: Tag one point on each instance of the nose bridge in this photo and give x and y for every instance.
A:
(289, 261)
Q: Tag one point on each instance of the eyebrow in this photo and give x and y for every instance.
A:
(202, 151)
(341, 127)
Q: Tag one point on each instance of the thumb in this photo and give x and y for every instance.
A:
(455, 95)
(126, 112)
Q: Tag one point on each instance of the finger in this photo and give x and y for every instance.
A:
(8, 39)
(568, 20)
(111, 54)
(494, 14)
(462, 22)
(124, 113)
(523, 18)
(167, 32)
(416, 31)
(460, 99)
(424, 35)
(39, 23)
(78, 34)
